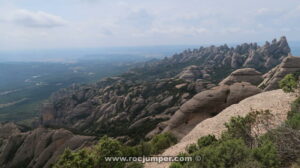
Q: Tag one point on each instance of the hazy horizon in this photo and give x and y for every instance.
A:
(40, 24)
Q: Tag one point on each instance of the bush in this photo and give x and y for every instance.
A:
(161, 142)
(222, 155)
(294, 115)
(287, 142)
(192, 148)
(77, 159)
(248, 163)
(294, 121)
(108, 147)
(288, 83)
(206, 141)
(176, 165)
(266, 154)
(240, 127)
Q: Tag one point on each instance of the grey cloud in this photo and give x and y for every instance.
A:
(37, 19)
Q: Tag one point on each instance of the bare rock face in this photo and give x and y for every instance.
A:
(271, 79)
(6, 131)
(191, 73)
(207, 104)
(39, 148)
(249, 75)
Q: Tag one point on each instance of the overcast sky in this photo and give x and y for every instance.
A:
(38, 24)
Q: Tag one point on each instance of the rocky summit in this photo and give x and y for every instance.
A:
(170, 95)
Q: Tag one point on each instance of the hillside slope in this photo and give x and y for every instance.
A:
(276, 101)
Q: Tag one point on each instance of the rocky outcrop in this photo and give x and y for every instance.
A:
(217, 62)
(118, 104)
(271, 79)
(276, 101)
(192, 73)
(6, 131)
(39, 148)
(207, 104)
(249, 75)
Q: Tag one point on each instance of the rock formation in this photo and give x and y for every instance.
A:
(217, 62)
(156, 89)
(39, 148)
(279, 108)
(7, 130)
(191, 73)
(271, 79)
(249, 75)
(207, 104)
(118, 105)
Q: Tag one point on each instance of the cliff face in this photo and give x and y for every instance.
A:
(134, 103)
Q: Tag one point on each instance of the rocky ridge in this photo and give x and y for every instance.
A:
(40, 147)
(217, 62)
(271, 79)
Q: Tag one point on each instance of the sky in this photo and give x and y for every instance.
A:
(52, 24)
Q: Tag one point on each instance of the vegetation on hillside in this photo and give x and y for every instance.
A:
(108, 147)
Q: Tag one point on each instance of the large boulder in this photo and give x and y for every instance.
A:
(243, 75)
(40, 147)
(207, 104)
(289, 65)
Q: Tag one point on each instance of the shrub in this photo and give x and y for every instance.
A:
(176, 165)
(288, 83)
(161, 142)
(77, 159)
(206, 141)
(249, 163)
(144, 148)
(239, 127)
(294, 121)
(108, 147)
(192, 148)
(287, 142)
(224, 154)
(266, 154)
